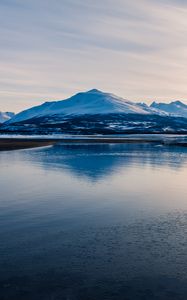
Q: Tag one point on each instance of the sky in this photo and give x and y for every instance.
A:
(52, 49)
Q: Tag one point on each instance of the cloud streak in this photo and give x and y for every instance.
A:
(52, 49)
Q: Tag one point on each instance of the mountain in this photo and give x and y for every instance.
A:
(96, 112)
(176, 108)
(92, 102)
(5, 116)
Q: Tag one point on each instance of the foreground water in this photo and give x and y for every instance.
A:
(94, 222)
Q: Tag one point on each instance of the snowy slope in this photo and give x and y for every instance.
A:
(5, 116)
(91, 102)
(176, 108)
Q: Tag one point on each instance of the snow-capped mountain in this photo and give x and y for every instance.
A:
(96, 112)
(176, 108)
(5, 116)
(92, 102)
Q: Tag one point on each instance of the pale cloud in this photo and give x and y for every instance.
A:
(52, 49)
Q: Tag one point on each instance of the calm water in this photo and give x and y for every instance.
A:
(93, 222)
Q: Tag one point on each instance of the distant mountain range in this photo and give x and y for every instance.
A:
(5, 116)
(176, 108)
(95, 112)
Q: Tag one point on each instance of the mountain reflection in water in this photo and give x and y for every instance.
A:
(96, 161)
(94, 222)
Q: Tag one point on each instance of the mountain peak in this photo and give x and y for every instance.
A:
(94, 102)
(178, 102)
(5, 116)
(95, 91)
(176, 108)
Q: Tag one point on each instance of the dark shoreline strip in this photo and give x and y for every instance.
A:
(21, 143)
(16, 144)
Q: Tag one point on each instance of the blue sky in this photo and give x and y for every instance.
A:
(53, 49)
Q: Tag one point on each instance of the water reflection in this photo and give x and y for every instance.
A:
(93, 222)
(96, 161)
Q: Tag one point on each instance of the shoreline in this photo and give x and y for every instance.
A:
(16, 143)
(9, 144)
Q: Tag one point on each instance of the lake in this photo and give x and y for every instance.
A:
(94, 222)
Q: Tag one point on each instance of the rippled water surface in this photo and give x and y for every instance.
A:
(93, 222)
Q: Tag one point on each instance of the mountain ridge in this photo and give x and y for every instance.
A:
(97, 112)
(5, 116)
(94, 102)
(176, 108)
